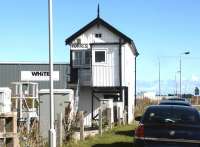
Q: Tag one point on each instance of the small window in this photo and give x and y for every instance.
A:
(98, 35)
(100, 57)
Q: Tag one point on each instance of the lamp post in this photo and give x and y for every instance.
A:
(175, 85)
(184, 53)
(52, 132)
(159, 77)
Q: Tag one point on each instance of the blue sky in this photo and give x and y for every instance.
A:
(161, 29)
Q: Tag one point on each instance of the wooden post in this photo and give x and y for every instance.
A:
(60, 133)
(2, 125)
(2, 130)
(100, 121)
(14, 123)
(109, 119)
(124, 117)
(81, 125)
(118, 116)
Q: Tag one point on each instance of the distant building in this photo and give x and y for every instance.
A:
(33, 71)
(147, 94)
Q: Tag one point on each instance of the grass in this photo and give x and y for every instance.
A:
(121, 136)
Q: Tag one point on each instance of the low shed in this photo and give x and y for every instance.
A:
(62, 99)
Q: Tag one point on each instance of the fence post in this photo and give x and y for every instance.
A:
(109, 119)
(124, 117)
(15, 139)
(59, 128)
(118, 116)
(81, 125)
(100, 121)
(2, 130)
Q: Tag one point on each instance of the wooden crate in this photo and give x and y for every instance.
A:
(8, 129)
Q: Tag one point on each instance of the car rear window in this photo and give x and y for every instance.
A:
(171, 115)
(174, 103)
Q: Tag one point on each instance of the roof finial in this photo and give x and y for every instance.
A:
(98, 11)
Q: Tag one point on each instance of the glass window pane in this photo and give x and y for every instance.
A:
(87, 57)
(99, 56)
(77, 57)
(175, 115)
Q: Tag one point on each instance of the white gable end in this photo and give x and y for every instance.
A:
(89, 36)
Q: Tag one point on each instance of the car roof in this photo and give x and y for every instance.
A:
(174, 102)
(171, 107)
(177, 99)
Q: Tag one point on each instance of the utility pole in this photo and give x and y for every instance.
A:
(175, 86)
(52, 132)
(180, 76)
(159, 76)
(184, 53)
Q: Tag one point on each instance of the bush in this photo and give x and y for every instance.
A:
(30, 138)
(141, 105)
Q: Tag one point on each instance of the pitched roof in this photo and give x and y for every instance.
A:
(98, 20)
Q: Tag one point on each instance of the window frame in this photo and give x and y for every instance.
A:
(105, 56)
(79, 57)
(98, 35)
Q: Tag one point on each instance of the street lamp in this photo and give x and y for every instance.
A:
(159, 77)
(52, 132)
(184, 53)
(175, 85)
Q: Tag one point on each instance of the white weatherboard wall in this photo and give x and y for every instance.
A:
(128, 78)
(106, 74)
(89, 36)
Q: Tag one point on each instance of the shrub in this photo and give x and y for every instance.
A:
(141, 105)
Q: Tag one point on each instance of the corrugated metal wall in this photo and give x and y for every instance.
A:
(11, 72)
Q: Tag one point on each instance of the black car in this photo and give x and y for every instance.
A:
(168, 126)
(175, 102)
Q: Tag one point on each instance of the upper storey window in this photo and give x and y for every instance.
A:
(100, 56)
(81, 57)
(98, 35)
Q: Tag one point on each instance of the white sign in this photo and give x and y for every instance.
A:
(79, 46)
(38, 75)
